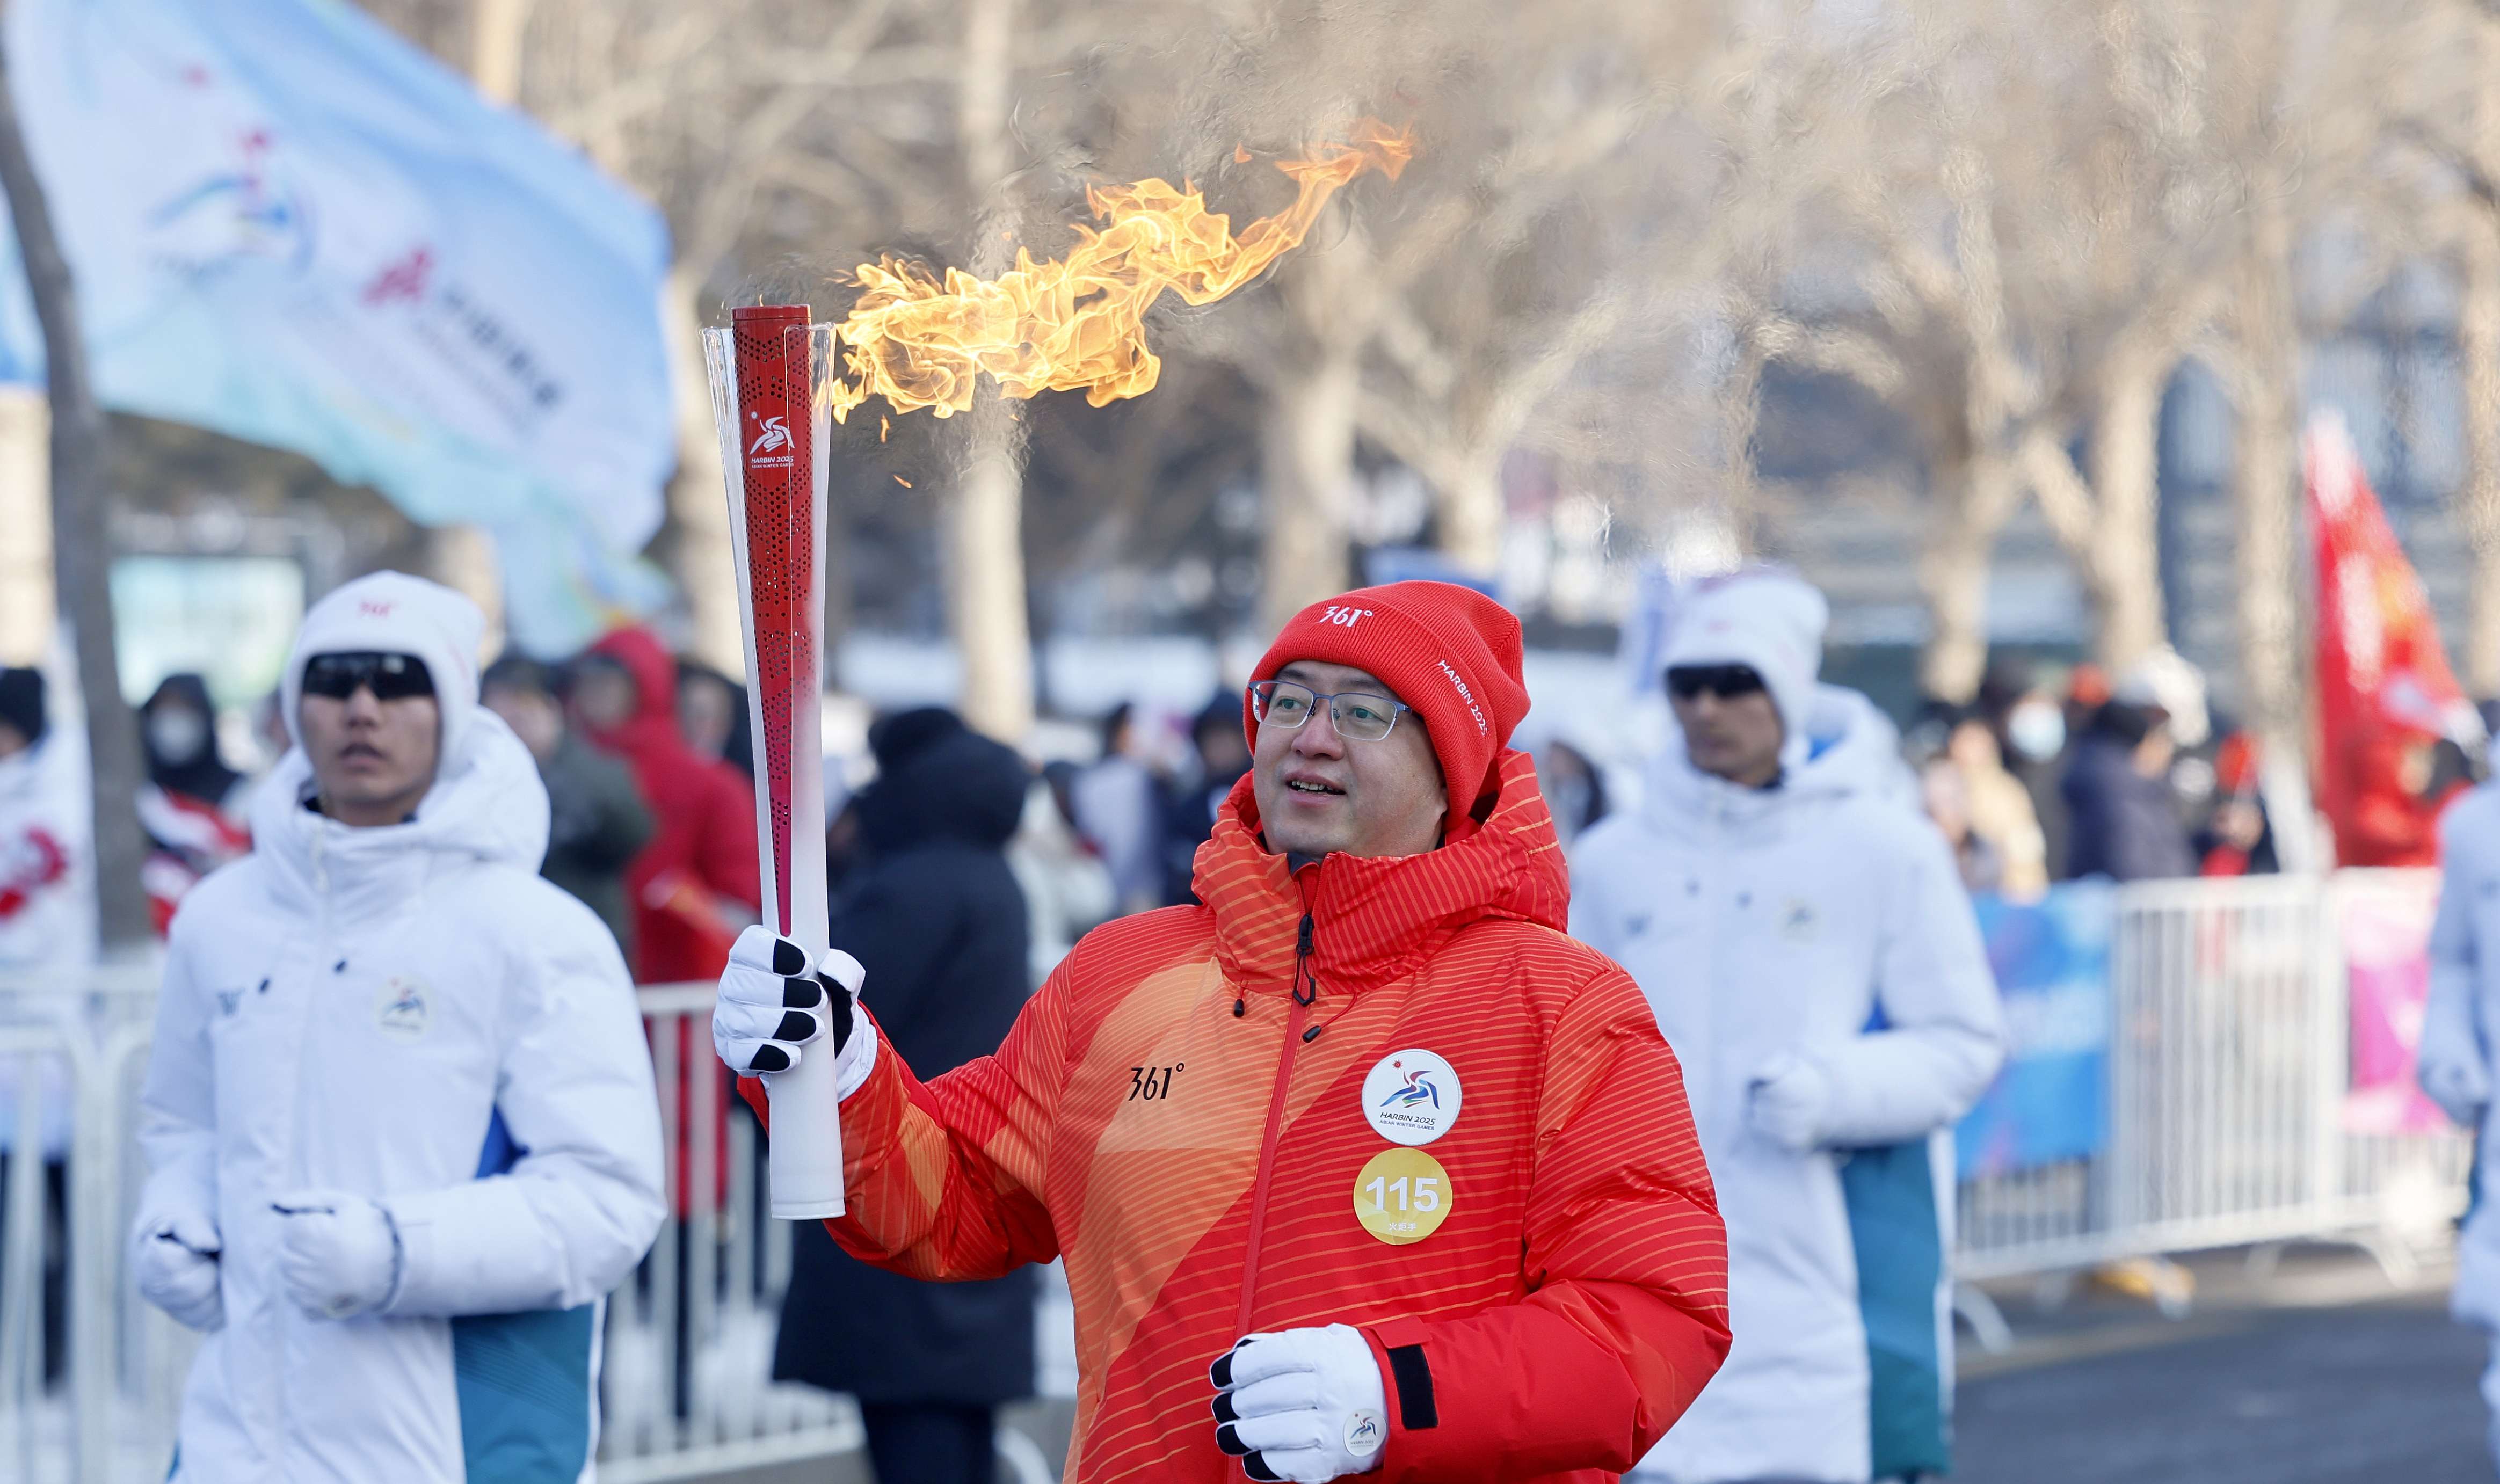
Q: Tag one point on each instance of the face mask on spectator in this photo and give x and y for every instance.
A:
(2037, 730)
(178, 733)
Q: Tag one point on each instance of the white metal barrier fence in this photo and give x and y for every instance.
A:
(90, 1375)
(2228, 1087)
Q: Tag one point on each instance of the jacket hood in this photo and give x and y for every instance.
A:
(962, 788)
(653, 726)
(1375, 919)
(394, 613)
(1852, 751)
(490, 808)
(202, 776)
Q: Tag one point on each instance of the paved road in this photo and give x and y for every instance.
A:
(2315, 1374)
(2373, 1393)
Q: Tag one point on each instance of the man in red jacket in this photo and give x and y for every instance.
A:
(695, 883)
(1361, 1166)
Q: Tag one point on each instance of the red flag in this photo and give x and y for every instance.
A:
(2386, 694)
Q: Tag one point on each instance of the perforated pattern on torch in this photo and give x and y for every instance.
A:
(778, 442)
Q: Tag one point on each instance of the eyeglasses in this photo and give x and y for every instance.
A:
(1357, 716)
(1726, 682)
(390, 677)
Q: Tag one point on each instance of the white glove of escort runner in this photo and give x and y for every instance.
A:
(773, 1003)
(340, 1254)
(1789, 1098)
(175, 1259)
(1301, 1405)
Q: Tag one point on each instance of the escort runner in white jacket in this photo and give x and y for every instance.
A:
(2454, 1063)
(1818, 970)
(399, 1116)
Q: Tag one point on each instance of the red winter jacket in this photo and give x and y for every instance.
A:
(703, 816)
(1194, 1139)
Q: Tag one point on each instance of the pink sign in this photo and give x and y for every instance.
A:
(2387, 952)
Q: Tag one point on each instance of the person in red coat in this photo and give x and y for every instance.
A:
(695, 883)
(689, 892)
(1359, 1165)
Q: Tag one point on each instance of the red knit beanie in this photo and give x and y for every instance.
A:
(1448, 652)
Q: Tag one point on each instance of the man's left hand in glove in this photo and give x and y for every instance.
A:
(340, 1254)
(1301, 1405)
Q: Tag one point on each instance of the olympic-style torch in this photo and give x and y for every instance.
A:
(771, 399)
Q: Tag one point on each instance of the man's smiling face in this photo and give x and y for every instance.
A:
(1319, 792)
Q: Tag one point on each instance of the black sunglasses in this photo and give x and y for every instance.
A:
(390, 676)
(1726, 682)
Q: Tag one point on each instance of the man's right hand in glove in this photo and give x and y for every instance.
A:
(175, 1259)
(774, 1003)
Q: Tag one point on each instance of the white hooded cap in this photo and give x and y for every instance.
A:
(2162, 678)
(394, 613)
(1767, 617)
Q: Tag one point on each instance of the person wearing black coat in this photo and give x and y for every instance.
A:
(935, 917)
(2125, 820)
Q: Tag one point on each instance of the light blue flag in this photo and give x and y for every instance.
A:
(292, 227)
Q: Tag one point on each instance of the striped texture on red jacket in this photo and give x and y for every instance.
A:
(1173, 1119)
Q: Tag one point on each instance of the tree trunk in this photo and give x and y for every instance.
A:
(697, 502)
(1740, 420)
(1472, 511)
(27, 596)
(2479, 348)
(1306, 459)
(985, 576)
(985, 587)
(2123, 567)
(463, 558)
(496, 31)
(2265, 487)
(1972, 498)
(81, 543)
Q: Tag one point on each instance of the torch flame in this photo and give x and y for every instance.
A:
(1077, 323)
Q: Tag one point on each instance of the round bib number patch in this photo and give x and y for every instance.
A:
(1402, 1196)
(1412, 1098)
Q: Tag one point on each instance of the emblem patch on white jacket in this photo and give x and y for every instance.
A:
(401, 1008)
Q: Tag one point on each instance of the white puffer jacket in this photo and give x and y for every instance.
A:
(47, 921)
(1820, 919)
(410, 1014)
(46, 865)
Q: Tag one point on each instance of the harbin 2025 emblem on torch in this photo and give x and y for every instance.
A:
(1412, 1098)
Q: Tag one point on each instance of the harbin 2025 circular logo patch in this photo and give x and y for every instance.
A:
(400, 1009)
(1412, 1098)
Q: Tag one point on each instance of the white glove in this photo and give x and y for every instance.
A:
(1302, 1405)
(340, 1254)
(175, 1259)
(773, 1003)
(2461, 1088)
(1788, 1099)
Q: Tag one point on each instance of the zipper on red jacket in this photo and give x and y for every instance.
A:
(1305, 991)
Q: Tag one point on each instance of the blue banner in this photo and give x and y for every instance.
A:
(2051, 1104)
(293, 227)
